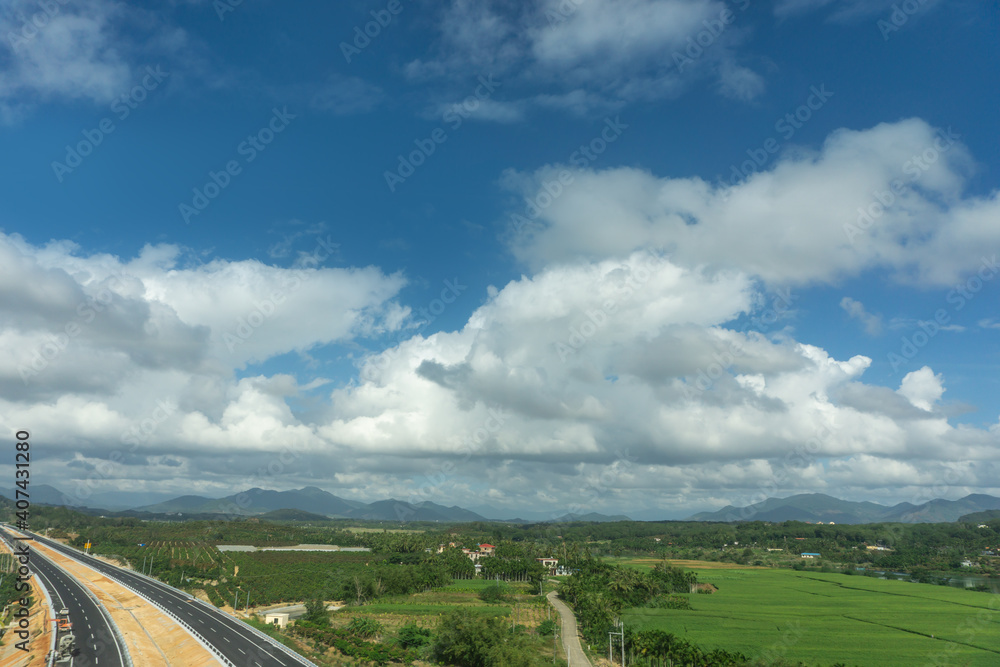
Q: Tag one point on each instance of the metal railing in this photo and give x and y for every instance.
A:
(119, 637)
(270, 640)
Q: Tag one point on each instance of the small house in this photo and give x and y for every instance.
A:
(278, 618)
(551, 564)
(810, 555)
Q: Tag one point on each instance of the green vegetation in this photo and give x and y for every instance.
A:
(413, 636)
(599, 591)
(758, 602)
(494, 593)
(477, 641)
(364, 627)
(771, 614)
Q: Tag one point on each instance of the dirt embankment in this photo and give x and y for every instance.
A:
(39, 627)
(153, 638)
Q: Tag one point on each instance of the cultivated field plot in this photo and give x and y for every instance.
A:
(828, 618)
(426, 608)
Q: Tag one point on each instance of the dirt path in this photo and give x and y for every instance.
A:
(570, 636)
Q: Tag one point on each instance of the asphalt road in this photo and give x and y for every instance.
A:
(231, 637)
(94, 636)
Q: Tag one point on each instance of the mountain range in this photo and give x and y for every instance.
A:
(816, 507)
(312, 503)
(309, 503)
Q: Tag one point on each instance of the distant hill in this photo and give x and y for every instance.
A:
(816, 507)
(256, 501)
(397, 510)
(314, 501)
(292, 515)
(980, 517)
(42, 494)
(558, 515)
(591, 517)
(178, 504)
(938, 510)
(314, 504)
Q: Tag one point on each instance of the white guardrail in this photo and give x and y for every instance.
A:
(225, 661)
(104, 612)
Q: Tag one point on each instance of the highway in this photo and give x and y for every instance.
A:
(94, 637)
(232, 638)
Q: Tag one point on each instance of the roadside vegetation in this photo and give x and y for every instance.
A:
(686, 593)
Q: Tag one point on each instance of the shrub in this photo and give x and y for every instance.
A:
(494, 593)
(671, 601)
(364, 627)
(547, 628)
(413, 636)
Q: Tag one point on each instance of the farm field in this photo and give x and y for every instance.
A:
(827, 618)
(648, 563)
(363, 529)
(425, 608)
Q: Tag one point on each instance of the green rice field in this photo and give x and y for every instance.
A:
(823, 619)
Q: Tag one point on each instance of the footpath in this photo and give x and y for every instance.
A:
(570, 636)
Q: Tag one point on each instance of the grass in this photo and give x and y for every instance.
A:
(475, 585)
(648, 563)
(424, 609)
(821, 619)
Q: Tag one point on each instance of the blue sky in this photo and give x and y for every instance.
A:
(284, 322)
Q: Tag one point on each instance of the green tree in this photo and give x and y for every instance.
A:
(316, 612)
(471, 640)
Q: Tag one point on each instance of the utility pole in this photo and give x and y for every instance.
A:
(621, 635)
(623, 643)
(236, 599)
